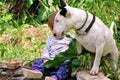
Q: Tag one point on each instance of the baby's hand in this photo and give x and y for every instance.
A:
(45, 61)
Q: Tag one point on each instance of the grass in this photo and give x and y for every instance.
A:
(23, 43)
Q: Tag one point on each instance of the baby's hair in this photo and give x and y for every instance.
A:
(51, 20)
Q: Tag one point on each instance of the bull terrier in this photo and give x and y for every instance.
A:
(91, 33)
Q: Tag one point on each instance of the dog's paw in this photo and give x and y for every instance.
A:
(94, 71)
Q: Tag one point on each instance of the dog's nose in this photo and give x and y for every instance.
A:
(63, 33)
(59, 35)
(54, 34)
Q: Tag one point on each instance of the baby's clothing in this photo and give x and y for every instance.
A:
(54, 46)
(60, 72)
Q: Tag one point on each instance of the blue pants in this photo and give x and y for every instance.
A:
(61, 72)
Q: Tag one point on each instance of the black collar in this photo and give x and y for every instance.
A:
(84, 22)
(90, 25)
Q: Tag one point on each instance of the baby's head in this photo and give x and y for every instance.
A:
(51, 20)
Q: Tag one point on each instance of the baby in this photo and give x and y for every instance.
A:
(52, 48)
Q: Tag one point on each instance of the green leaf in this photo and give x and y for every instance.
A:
(6, 17)
(2, 49)
(2, 30)
(29, 3)
(70, 53)
(50, 2)
(75, 63)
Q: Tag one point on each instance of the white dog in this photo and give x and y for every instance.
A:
(91, 33)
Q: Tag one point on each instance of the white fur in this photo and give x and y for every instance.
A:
(98, 40)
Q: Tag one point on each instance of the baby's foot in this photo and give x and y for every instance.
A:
(32, 74)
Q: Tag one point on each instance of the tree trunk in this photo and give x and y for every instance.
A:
(19, 6)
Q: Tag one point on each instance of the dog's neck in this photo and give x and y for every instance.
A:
(83, 21)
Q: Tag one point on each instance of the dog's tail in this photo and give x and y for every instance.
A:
(111, 27)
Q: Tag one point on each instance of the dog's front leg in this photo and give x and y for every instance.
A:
(79, 47)
(79, 50)
(98, 55)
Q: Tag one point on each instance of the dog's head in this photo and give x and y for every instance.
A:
(63, 20)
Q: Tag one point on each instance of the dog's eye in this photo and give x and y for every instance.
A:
(57, 20)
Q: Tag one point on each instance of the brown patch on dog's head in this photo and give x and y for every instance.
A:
(51, 20)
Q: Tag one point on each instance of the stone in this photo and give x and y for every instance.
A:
(1, 71)
(11, 64)
(17, 78)
(18, 73)
(84, 75)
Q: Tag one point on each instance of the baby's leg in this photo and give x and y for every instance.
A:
(61, 74)
(37, 70)
(38, 64)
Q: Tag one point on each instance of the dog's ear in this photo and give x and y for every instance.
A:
(63, 3)
(65, 13)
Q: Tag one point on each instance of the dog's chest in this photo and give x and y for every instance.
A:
(87, 42)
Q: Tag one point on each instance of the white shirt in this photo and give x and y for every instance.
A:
(54, 46)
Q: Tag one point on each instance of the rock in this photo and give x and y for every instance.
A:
(1, 71)
(84, 75)
(17, 78)
(11, 64)
(4, 73)
(18, 73)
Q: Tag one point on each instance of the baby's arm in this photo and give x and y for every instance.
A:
(45, 60)
(46, 49)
